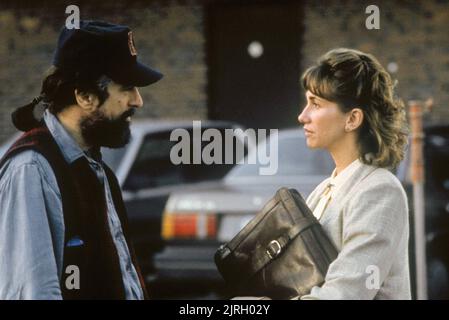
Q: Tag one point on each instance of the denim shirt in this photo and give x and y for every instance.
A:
(32, 223)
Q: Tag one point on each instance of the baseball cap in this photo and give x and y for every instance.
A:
(97, 47)
(105, 48)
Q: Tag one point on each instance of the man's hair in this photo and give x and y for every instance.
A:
(354, 79)
(58, 87)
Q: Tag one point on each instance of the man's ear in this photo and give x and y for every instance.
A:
(87, 101)
(354, 120)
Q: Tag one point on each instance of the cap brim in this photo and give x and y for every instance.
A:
(138, 75)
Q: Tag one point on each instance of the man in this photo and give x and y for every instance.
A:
(63, 229)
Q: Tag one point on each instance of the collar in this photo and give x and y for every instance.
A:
(338, 180)
(69, 147)
(95, 154)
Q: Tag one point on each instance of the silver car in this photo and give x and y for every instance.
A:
(196, 222)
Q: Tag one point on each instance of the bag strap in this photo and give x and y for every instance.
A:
(288, 197)
(235, 242)
(276, 246)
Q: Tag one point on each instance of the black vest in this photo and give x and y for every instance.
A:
(85, 217)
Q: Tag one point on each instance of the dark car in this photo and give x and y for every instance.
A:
(436, 188)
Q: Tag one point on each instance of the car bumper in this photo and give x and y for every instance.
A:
(187, 264)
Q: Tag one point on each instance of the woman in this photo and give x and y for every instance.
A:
(352, 113)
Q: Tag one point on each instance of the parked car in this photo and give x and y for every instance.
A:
(196, 222)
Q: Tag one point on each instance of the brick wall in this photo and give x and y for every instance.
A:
(413, 34)
(168, 36)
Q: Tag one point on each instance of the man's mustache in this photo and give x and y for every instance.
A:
(128, 113)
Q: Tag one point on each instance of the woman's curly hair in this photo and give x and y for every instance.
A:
(354, 79)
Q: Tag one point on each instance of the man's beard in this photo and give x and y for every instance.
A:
(99, 131)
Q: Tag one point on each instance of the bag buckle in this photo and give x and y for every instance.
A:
(274, 249)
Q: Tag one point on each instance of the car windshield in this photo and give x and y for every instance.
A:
(154, 168)
(294, 158)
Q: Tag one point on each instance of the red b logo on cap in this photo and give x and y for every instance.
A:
(132, 48)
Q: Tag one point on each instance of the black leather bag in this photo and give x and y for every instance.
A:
(281, 253)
